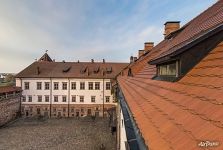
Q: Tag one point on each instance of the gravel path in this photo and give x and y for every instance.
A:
(59, 134)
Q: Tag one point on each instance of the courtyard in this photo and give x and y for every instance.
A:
(65, 134)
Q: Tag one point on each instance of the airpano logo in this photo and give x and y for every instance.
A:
(208, 144)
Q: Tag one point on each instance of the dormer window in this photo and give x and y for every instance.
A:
(169, 69)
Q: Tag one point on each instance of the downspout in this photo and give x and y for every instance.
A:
(50, 96)
(103, 96)
(68, 97)
(20, 97)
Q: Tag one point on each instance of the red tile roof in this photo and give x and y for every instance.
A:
(8, 89)
(71, 70)
(198, 27)
(179, 115)
(188, 33)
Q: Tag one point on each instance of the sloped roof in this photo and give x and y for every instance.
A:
(178, 115)
(71, 70)
(8, 89)
(196, 28)
(181, 114)
(45, 58)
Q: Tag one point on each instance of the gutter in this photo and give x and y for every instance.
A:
(134, 138)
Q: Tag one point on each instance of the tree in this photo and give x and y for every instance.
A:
(9, 78)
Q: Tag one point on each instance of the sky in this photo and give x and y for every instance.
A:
(85, 29)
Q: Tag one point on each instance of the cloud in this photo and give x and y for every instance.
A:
(81, 30)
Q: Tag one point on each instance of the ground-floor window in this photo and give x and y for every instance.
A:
(38, 111)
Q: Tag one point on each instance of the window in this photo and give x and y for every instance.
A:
(97, 85)
(73, 98)
(107, 99)
(73, 85)
(24, 98)
(47, 85)
(29, 98)
(93, 99)
(130, 72)
(56, 85)
(108, 86)
(64, 86)
(54, 109)
(38, 110)
(26, 85)
(39, 98)
(64, 109)
(72, 109)
(82, 85)
(90, 85)
(82, 99)
(39, 85)
(167, 69)
(55, 98)
(64, 98)
(47, 98)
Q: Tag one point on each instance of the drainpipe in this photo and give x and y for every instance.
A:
(103, 97)
(50, 96)
(68, 97)
(20, 97)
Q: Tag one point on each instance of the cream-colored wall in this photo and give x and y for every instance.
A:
(123, 137)
(86, 93)
(34, 92)
(18, 82)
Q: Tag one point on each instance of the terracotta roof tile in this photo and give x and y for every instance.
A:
(71, 69)
(178, 115)
(8, 89)
(199, 26)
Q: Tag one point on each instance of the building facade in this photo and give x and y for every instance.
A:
(67, 89)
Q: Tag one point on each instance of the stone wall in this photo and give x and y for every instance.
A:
(59, 110)
(9, 109)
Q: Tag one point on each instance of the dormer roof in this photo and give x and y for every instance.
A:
(45, 58)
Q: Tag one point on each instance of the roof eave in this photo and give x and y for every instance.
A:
(187, 46)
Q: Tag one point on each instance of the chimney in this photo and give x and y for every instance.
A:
(131, 59)
(140, 53)
(92, 60)
(103, 60)
(171, 26)
(148, 46)
(134, 59)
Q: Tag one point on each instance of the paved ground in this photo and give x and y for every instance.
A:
(59, 134)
